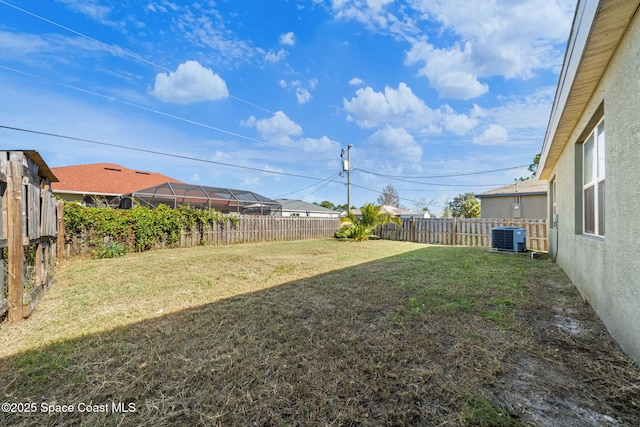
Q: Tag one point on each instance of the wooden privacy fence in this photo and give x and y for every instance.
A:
(262, 229)
(463, 231)
(28, 228)
(248, 229)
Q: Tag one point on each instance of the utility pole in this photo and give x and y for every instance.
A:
(346, 167)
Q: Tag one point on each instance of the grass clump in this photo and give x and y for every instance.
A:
(110, 249)
(479, 411)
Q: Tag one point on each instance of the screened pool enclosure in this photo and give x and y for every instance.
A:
(224, 200)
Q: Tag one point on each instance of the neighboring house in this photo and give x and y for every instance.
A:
(299, 208)
(404, 213)
(102, 182)
(594, 235)
(524, 199)
(401, 212)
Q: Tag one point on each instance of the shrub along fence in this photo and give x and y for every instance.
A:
(140, 229)
(463, 231)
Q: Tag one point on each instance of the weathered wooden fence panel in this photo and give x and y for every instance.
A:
(463, 232)
(28, 232)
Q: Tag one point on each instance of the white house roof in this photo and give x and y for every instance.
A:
(521, 188)
(289, 205)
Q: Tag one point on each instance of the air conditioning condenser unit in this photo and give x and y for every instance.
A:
(509, 239)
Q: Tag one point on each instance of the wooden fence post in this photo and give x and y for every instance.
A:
(14, 240)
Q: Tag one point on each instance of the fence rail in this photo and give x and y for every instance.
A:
(465, 232)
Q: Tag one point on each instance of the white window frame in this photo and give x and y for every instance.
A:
(593, 181)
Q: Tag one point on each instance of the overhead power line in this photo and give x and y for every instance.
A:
(328, 180)
(146, 61)
(378, 192)
(427, 183)
(443, 176)
(131, 104)
(159, 153)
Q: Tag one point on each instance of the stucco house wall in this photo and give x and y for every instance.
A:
(605, 269)
(525, 200)
(532, 206)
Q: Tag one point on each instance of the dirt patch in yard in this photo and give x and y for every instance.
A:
(431, 336)
(572, 374)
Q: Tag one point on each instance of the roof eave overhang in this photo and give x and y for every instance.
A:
(84, 193)
(598, 26)
(531, 193)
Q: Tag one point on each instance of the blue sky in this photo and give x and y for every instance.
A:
(264, 95)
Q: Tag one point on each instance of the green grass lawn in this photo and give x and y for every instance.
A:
(314, 333)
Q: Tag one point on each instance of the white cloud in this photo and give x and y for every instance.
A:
(288, 39)
(303, 95)
(509, 39)
(249, 123)
(21, 44)
(524, 116)
(250, 182)
(323, 145)
(447, 70)
(459, 124)
(279, 128)
(356, 82)
(274, 57)
(376, 15)
(395, 143)
(476, 39)
(372, 108)
(91, 8)
(205, 29)
(191, 82)
(47, 49)
(493, 135)
(401, 107)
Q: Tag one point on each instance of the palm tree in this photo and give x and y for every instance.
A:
(362, 228)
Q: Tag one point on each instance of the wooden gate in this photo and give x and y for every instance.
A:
(28, 230)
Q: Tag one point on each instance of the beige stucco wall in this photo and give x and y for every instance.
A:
(607, 270)
(531, 206)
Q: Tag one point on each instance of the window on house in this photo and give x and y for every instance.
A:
(593, 181)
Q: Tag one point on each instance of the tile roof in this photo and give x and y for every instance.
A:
(104, 178)
(529, 186)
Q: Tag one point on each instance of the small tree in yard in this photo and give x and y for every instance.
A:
(360, 229)
(463, 206)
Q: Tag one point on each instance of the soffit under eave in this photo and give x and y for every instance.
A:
(609, 25)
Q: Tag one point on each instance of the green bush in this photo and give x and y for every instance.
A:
(138, 229)
(110, 249)
(362, 227)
